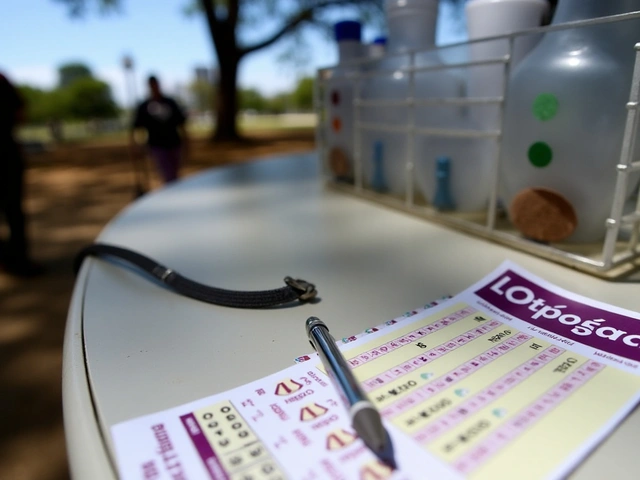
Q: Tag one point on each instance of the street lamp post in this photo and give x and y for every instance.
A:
(141, 180)
(130, 80)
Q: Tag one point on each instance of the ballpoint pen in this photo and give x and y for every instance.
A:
(365, 418)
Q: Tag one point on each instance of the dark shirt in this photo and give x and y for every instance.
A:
(161, 118)
(10, 104)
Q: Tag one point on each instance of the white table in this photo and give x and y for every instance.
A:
(132, 347)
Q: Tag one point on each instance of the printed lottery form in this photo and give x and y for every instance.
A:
(512, 378)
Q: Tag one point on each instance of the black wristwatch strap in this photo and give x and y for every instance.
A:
(294, 289)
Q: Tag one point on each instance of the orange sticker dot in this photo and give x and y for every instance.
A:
(336, 124)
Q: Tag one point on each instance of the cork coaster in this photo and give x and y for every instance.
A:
(542, 214)
(339, 163)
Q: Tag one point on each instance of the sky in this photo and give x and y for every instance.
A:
(37, 36)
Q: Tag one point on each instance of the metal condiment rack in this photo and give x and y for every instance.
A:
(612, 258)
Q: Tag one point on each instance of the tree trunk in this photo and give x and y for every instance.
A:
(227, 100)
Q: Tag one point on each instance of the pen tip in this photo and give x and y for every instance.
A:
(368, 423)
(386, 455)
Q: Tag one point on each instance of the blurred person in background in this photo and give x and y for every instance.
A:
(164, 122)
(14, 256)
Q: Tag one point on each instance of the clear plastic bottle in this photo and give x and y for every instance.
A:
(338, 98)
(490, 18)
(564, 123)
(411, 26)
(469, 173)
(377, 48)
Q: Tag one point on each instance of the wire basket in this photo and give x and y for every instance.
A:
(616, 256)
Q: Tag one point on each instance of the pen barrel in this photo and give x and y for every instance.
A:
(335, 364)
(365, 419)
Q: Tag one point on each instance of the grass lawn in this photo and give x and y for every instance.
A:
(116, 132)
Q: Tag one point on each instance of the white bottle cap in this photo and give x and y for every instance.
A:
(411, 23)
(404, 7)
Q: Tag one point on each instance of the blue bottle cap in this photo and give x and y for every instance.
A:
(348, 30)
(380, 41)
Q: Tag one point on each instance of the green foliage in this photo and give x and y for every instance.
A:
(70, 72)
(43, 105)
(89, 98)
(302, 95)
(83, 98)
(278, 103)
(251, 99)
(38, 104)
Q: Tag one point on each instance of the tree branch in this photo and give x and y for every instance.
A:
(79, 8)
(212, 20)
(304, 15)
(232, 15)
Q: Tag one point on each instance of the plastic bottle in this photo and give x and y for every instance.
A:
(564, 124)
(491, 18)
(411, 26)
(338, 99)
(469, 172)
(377, 48)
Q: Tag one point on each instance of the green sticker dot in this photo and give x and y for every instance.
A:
(540, 154)
(545, 106)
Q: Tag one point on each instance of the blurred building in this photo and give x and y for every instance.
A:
(202, 94)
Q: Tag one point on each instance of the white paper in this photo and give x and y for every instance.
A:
(473, 387)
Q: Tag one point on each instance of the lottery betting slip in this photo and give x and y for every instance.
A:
(477, 386)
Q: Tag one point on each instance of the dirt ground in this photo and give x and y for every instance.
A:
(72, 192)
